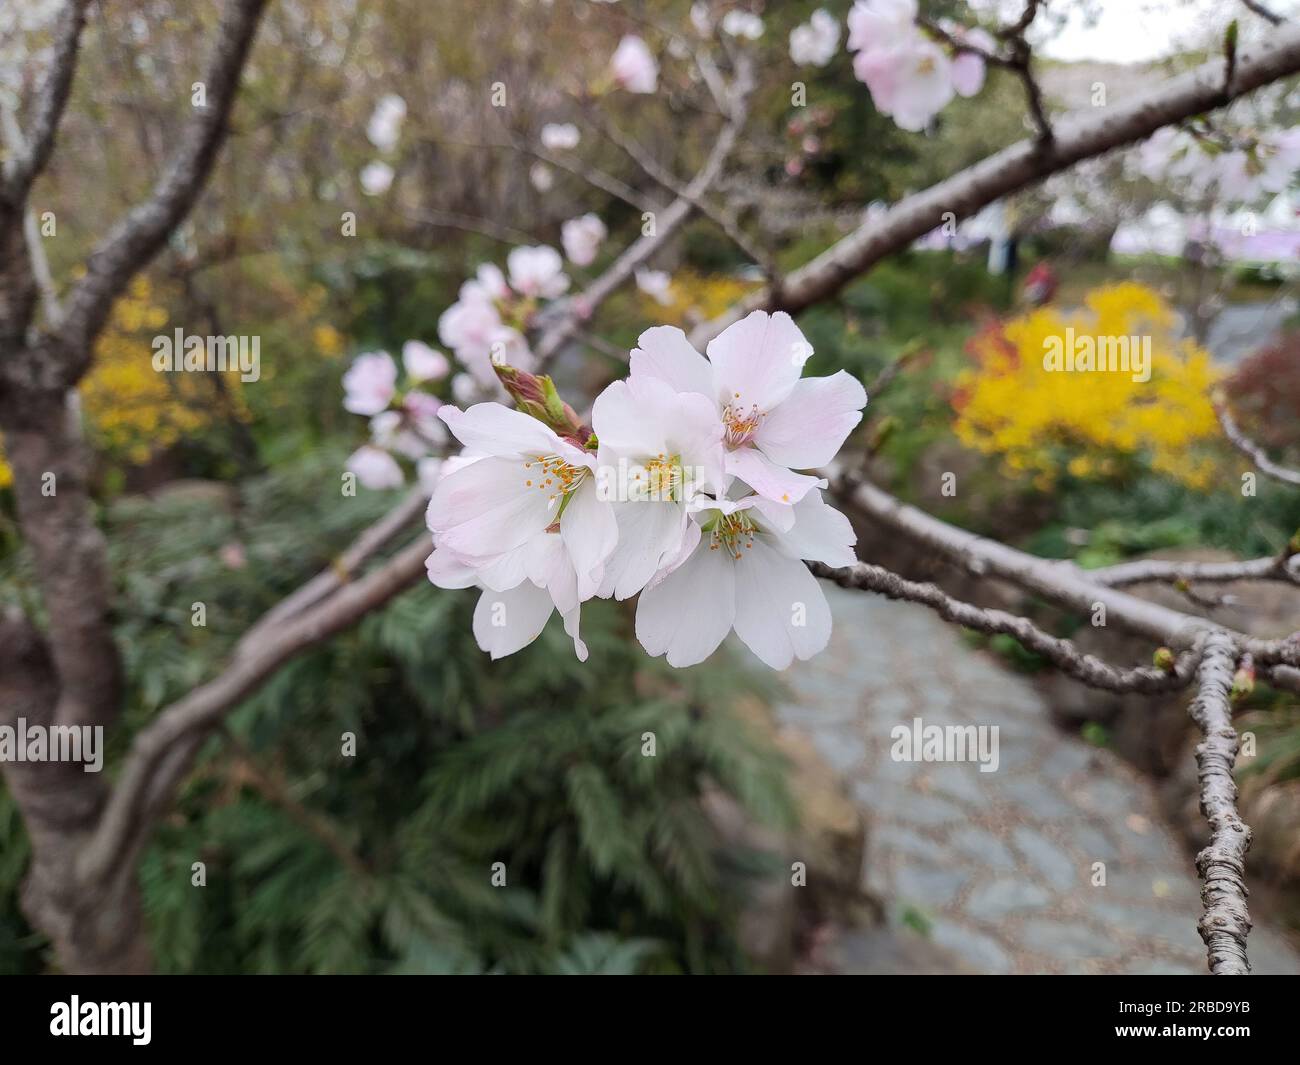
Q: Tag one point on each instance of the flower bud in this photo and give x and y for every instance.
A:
(1164, 659)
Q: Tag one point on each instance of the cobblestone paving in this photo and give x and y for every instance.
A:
(999, 865)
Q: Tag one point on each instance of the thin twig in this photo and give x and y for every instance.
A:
(1061, 653)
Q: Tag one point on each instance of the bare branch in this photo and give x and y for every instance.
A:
(1225, 922)
(11, 135)
(1153, 570)
(162, 752)
(1263, 12)
(1077, 137)
(361, 550)
(25, 163)
(141, 234)
(667, 221)
(1061, 653)
(1060, 582)
(1250, 449)
(720, 217)
(484, 227)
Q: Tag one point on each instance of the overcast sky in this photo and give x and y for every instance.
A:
(1131, 31)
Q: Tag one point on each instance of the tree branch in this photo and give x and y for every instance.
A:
(1225, 922)
(24, 165)
(1077, 137)
(1252, 450)
(325, 583)
(141, 234)
(1061, 653)
(163, 751)
(1152, 570)
(667, 221)
(1060, 582)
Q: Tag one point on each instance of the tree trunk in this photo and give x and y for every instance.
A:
(94, 928)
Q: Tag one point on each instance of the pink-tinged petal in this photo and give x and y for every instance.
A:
(820, 533)
(688, 614)
(767, 478)
(649, 534)
(590, 532)
(505, 622)
(447, 571)
(491, 429)
(781, 611)
(967, 73)
(664, 353)
(810, 425)
(485, 510)
(757, 360)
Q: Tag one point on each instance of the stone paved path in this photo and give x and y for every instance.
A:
(999, 865)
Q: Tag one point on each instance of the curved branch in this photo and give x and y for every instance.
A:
(163, 751)
(1252, 450)
(372, 540)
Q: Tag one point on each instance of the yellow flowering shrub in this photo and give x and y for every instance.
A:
(133, 410)
(1044, 416)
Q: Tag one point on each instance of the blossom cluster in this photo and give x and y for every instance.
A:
(1236, 169)
(684, 490)
(910, 77)
(486, 325)
(403, 419)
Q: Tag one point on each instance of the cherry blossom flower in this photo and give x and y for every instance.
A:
(537, 272)
(464, 388)
(582, 238)
(633, 67)
(656, 284)
(375, 468)
(815, 42)
(527, 482)
(385, 125)
(541, 177)
(659, 449)
(370, 383)
(775, 421)
(742, 24)
(875, 24)
(701, 18)
(473, 329)
(560, 136)
(911, 82)
(746, 572)
(968, 69)
(423, 363)
(376, 178)
(428, 471)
